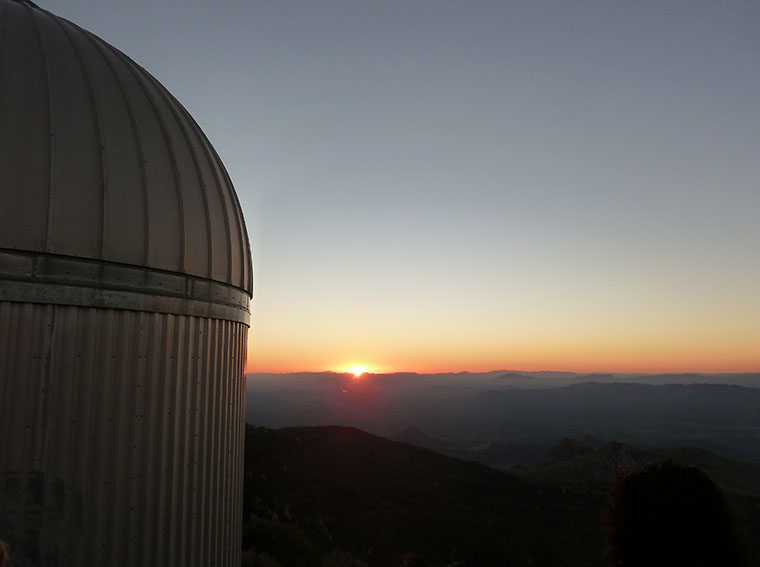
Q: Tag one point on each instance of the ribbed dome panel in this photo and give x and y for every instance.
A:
(104, 163)
(125, 284)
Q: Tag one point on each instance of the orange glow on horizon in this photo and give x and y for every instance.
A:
(626, 351)
(630, 364)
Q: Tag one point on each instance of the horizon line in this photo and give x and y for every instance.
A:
(507, 370)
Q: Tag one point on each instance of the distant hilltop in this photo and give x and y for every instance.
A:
(521, 378)
(491, 417)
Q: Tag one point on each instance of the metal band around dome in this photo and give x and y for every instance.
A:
(31, 277)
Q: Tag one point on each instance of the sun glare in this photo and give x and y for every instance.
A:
(357, 370)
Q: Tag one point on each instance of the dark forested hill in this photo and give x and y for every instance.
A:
(342, 496)
(337, 496)
(575, 466)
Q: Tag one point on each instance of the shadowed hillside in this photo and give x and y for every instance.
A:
(337, 496)
(587, 470)
(340, 489)
(570, 461)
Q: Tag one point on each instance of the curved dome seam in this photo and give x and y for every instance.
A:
(217, 185)
(130, 65)
(172, 104)
(51, 126)
(3, 27)
(98, 120)
(245, 245)
(224, 184)
(245, 248)
(99, 45)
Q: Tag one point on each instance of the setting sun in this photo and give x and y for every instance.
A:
(357, 370)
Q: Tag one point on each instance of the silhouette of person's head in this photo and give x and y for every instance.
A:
(669, 514)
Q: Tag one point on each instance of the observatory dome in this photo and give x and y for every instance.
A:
(111, 194)
(125, 284)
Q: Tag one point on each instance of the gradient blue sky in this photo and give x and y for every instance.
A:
(476, 185)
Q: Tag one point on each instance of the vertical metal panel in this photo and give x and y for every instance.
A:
(196, 203)
(222, 243)
(194, 218)
(24, 130)
(124, 205)
(122, 436)
(76, 182)
(166, 215)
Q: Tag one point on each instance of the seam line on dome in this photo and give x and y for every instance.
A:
(245, 248)
(51, 126)
(245, 244)
(170, 148)
(3, 28)
(98, 44)
(213, 164)
(98, 115)
(173, 105)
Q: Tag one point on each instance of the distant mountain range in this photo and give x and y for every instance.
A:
(516, 378)
(505, 418)
(338, 496)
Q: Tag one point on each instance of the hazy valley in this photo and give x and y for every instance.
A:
(503, 418)
(479, 469)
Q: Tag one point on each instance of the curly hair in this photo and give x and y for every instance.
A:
(666, 514)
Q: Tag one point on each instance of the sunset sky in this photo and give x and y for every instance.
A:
(445, 186)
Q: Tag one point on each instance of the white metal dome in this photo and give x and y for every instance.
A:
(103, 168)
(125, 282)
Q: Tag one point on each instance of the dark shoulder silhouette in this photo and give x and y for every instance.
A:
(666, 514)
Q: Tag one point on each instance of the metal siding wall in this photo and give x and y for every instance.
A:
(121, 432)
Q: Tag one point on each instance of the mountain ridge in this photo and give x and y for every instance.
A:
(339, 492)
